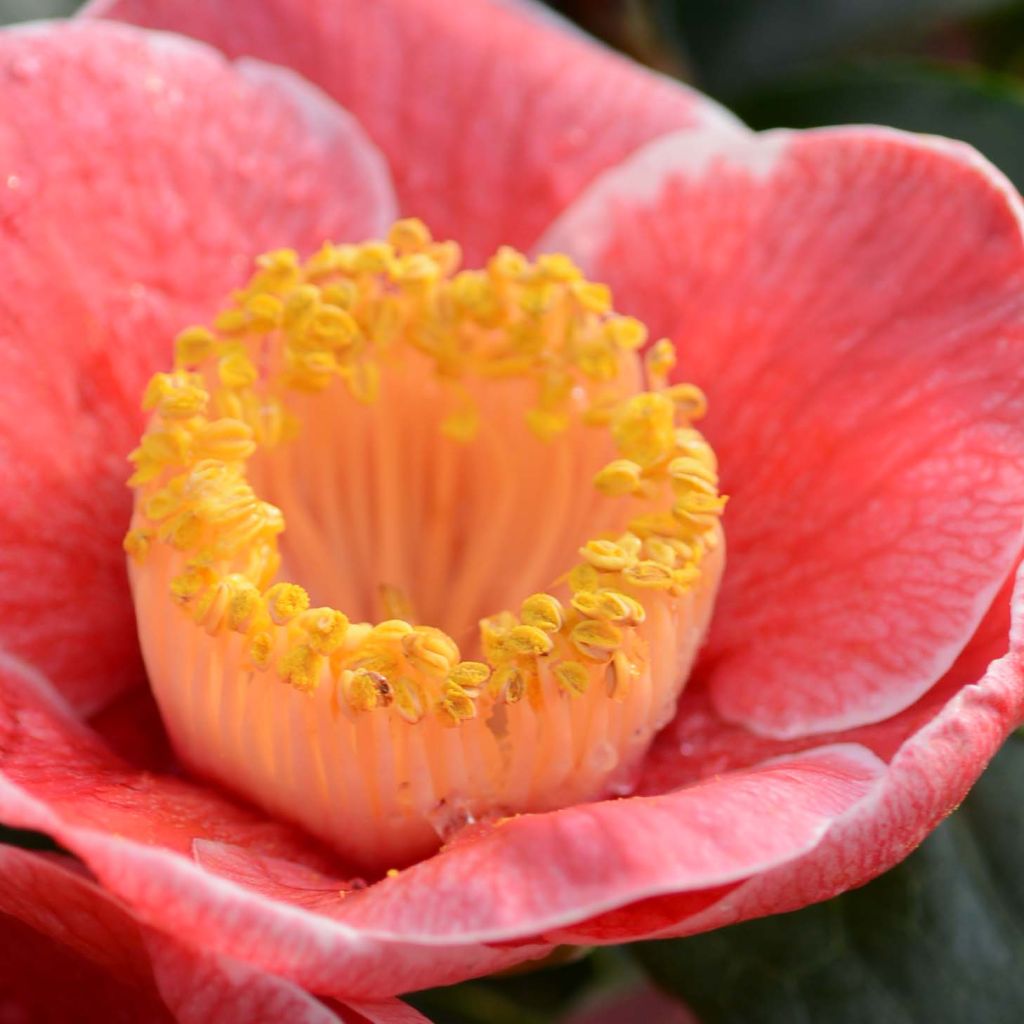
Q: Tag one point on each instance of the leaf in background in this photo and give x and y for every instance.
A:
(939, 938)
(30, 10)
(983, 108)
(741, 44)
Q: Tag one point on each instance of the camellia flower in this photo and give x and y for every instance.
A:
(460, 651)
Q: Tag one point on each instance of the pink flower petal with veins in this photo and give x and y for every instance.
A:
(852, 300)
(431, 924)
(128, 218)
(491, 116)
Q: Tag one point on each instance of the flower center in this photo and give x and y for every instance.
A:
(343, 483)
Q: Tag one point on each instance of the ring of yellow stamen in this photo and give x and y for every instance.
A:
(347, 314)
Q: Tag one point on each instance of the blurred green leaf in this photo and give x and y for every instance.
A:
(533, 995)
(736, 45)
(30, 10)
(983, 108)
(939, 938)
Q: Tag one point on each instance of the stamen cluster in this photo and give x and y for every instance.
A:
(348, 313)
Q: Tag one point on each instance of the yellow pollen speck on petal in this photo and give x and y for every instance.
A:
(419, 446)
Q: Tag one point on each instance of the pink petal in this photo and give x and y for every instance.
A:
(68, 951)
(135, 830)
(936, 750)
(852, 300)
(431, 924)
(41, 981)
(160, 173)
(492, 117)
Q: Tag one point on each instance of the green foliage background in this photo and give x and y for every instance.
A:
(940, 938)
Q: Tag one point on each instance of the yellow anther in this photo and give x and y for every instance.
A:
(415, 270)
(265, 312)
(301, 666)
(470, 676)
(225, 439)
(279, 266)
(599, 361)
(689, 398)
(507, 264)
(606, 555)
(595, 298)
(625, 332)
(583, 577)
(390, 631)
(373, 258)
(409, 235)
(596, 639)
(325, 629)
(544, 612)
(231, 321)
(456, 705)
(527, 640)
(162, 504)
(335, 325)
(660, 550)
(177, 396)
(691, 443)
(137, 544)
(194, 345)
(618, 478)
(342, 294)
(299, 306)
(630, 543)
(644, 428)
(572, 677)
(660, 360)
(430, 650)
(698, 509)
(508, 684)
(285, 601)
(260, 648)
(236, 370)
(693, 474)
(183, 531)
(685, 577)
(364, 690)
(649, 574)
(410, 700)
(246, 601)
(211, 607)
(557, 266)
(188, 585)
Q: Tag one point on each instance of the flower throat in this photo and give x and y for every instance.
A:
(408, 539)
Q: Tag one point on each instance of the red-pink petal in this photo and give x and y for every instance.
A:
(936, 749)
(492, 117)
(68, 951)
(160, 173)
(852, 300)
(429, 925)
(135, 830)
